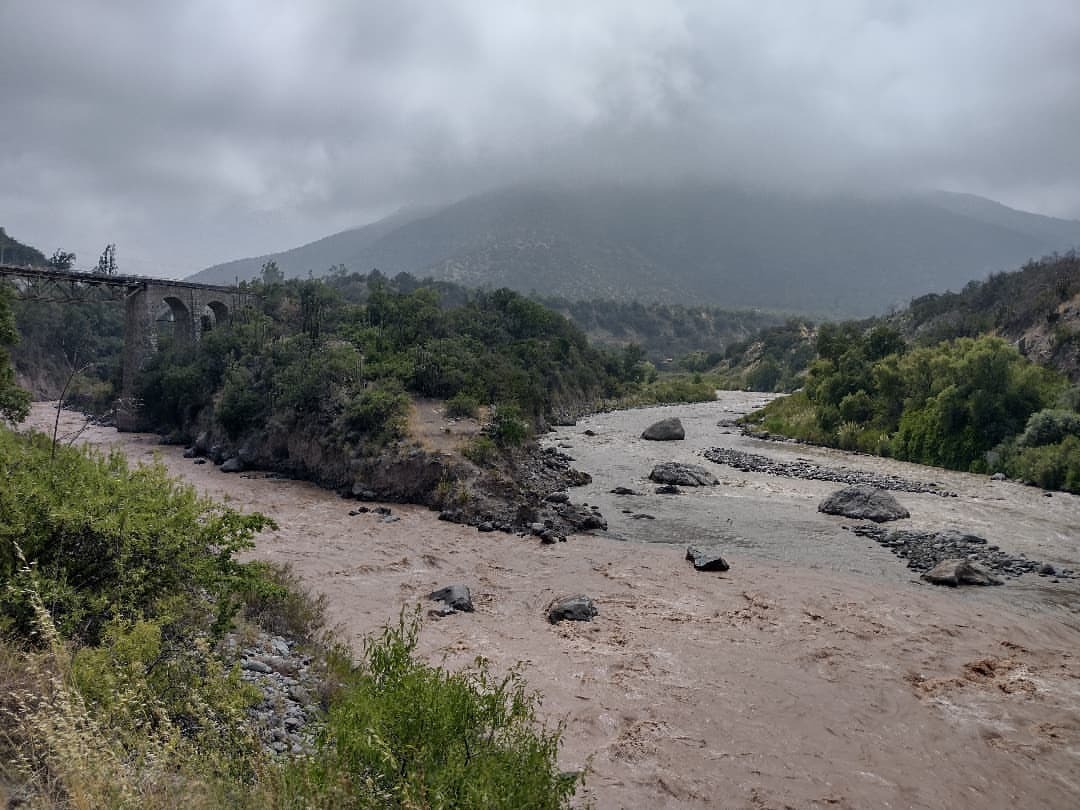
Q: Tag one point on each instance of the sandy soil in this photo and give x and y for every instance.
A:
(818, 672)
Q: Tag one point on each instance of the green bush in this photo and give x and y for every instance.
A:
(104, 542)
(1050, 466)
(241, 407)
(508, 427)
(405, 734)
(377, 413)
(462, 405)
(481, 450)
(1049, 426)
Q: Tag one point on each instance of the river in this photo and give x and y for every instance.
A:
(818, 672)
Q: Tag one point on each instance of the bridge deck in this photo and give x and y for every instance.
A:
(99, 279)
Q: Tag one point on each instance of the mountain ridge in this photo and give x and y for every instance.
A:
(720, 246)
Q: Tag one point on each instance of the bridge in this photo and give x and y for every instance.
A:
(190, 308)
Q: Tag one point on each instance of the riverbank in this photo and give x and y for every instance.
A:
(818, 672)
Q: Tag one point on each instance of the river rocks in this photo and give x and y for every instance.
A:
(232, 465)
(865, 503)
(455, 597)
(665, 430)
(687, 475)
(923, 550)
(706, 559)
(572, 608)
(801, 468)
(959, 572)
(557, 497)
(624, 491)
(287, 716)
(255, 665)
(668, 489)
(582, 518)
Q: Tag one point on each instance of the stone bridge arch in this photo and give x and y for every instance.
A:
(189, 308)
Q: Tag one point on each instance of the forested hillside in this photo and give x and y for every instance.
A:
(16, 253)
(977, 380)
(722, 246)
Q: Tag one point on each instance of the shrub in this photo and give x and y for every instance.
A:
(405, 734)
(508, 427)
(1049, 426)
(378, 414)
(481, 451)
(462, 405)
(106, 542)
(1051, 466)
(240, 407)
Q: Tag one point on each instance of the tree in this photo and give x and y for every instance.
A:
(106, 263)
(271, 274)
(14, 401)
(62, 260)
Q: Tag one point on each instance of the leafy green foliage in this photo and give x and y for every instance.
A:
(462, 405)
(405, 734)
(1051, 466)
(106, 543)
(379, 413)
(774, 359)
(312, 360)
(949, 405)
(1050, 426)
(14, 402)
(507, 427)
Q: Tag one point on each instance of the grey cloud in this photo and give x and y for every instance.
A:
(194, 132)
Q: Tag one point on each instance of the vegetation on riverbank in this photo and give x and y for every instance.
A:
(119, 590)
(967, 404)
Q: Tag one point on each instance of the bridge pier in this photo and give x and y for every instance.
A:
(188, 305)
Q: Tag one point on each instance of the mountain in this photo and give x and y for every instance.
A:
(714, 245)
(14, 252)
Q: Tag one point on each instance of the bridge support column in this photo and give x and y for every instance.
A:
(139, 345)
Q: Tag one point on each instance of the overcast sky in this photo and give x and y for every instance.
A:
(190, 133)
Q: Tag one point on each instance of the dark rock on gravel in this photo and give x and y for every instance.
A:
(865, 503)
(573, 608)
(668, 489)
(960, 572)
(665, 430)
(706, 559)
(808, 470)
(232, 465)
(923, 550)
(624, 491)
(687, 475)
(457, 597)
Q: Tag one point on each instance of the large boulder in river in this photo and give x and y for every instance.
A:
(665, 430)
(686, 475)
(573, 609)
(233, 464)
(864, 502)
(705, 559)
(455, 597)
(959, 572)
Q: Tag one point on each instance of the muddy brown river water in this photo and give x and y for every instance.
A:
(817, 672)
